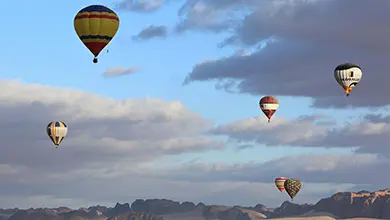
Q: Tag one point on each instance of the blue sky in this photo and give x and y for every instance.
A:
(49, 52)
(41, 47)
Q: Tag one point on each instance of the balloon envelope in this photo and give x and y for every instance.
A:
(96, 26)
(57, 131)
(269, 105)
(348, 75)
(279, 182)
(292, 187)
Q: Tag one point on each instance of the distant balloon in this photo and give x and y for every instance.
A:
(269, 105)
(348, 75)
(57, 131)
(292, 187)
(279, 182)
(96, 26)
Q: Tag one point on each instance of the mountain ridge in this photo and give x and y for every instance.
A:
(362, 204)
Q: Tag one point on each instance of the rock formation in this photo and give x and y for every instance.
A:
(340, 205)
(136, 216)
(360, 204)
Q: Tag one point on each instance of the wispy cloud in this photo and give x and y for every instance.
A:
(151, 32)
(144, 6)
(120, 71)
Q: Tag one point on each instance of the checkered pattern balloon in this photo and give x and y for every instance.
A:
(292, 187)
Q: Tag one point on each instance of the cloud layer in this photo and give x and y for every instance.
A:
(312, 38)
(106, 137)
(119, 146)
(369, 135)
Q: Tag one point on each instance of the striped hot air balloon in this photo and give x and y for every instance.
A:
(96, 26)
(279, 182)
(57, 131)
(269, 105)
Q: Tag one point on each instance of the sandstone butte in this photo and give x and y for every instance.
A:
(361, 205)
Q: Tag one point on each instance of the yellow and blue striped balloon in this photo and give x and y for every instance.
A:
(57, 130)
(96, 25)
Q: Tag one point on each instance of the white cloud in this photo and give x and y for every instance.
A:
(107, 138)
(369, 135)
(312, 168)
(303, 130)
(117, 146)
(120, 71)
(143, 6)
(151, 31)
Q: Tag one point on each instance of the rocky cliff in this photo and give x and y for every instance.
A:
(340, 205)
(360, 204)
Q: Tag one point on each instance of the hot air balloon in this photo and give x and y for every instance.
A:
(269, 105)
(292, 187)
(96, 25)
(279, 182)
(348, 75)
(57, 131)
